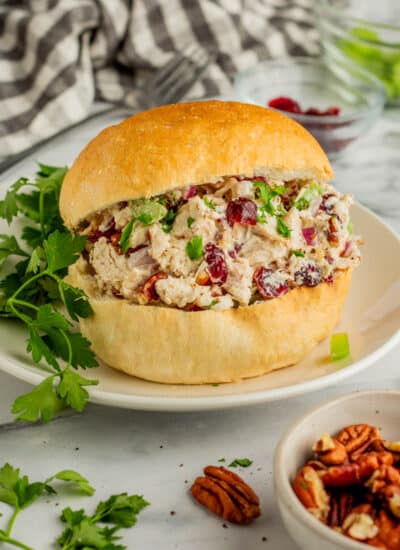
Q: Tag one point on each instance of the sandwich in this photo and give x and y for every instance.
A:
(216, 248)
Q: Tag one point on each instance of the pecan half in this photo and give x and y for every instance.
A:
(353, 473)
(357, 438)
(227, 495)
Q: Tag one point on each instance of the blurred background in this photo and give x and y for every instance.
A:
(333, 65)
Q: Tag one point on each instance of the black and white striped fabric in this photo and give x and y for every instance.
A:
(58, 56)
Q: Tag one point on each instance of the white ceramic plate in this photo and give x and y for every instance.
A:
(371, 318)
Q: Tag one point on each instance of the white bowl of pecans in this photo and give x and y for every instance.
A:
(337, 474)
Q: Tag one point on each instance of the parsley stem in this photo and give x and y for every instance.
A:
(27, 283)
(25, 318)
(14, 542)
(68, 346)
(12, 521)
(25, 304)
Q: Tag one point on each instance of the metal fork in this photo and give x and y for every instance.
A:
(169, 84)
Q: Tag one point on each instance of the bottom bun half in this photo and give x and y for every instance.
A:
(171, 346)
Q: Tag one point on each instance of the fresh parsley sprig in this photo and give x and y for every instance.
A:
(100, 529)
(19, 493)
(31, 292)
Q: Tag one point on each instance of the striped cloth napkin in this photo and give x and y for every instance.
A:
(59, 56)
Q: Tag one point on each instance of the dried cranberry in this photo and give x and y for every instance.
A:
(309, 234)
(217, 267)
(309, 274)
(285, 104)
(329, 278)
(328, 202)
(268, 285)
(148, 290)
(241, 210)
(107, 233)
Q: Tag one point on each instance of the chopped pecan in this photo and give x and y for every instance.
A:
(311, 492)
(227, 495)
(394, 448)
(148, 291)
(360, 523)
(330, 451)
(357, 438)
(203, 279)
(384, 476)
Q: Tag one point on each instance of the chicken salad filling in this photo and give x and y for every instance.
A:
(235, 242)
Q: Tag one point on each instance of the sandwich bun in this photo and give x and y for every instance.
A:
(174, 146)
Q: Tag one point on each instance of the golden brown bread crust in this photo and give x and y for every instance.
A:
(176, 145)
(179, 347)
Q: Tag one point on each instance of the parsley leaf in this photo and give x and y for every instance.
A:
(42, 403)
(194, 248)
(190, 221)
(168, 220)
(8, 247)
(209, 203)
(35, 260)
(266, 193)
(282, 228)
(72, 390)
(126, 235)
(9, 205)
(75, 300)
(74, 477)
(89, 532)
(243, 462)
(298, 253)
(62, 250)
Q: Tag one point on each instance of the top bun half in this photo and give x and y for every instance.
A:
(188, 143)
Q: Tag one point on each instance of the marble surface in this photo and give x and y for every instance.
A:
(158, 455)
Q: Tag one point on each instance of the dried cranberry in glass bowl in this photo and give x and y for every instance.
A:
(289, 105)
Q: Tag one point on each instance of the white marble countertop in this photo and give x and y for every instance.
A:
(159, 454)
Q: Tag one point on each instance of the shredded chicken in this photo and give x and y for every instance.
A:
(220, 245)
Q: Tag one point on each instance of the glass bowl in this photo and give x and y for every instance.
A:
(363, 33)
(312, 83)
